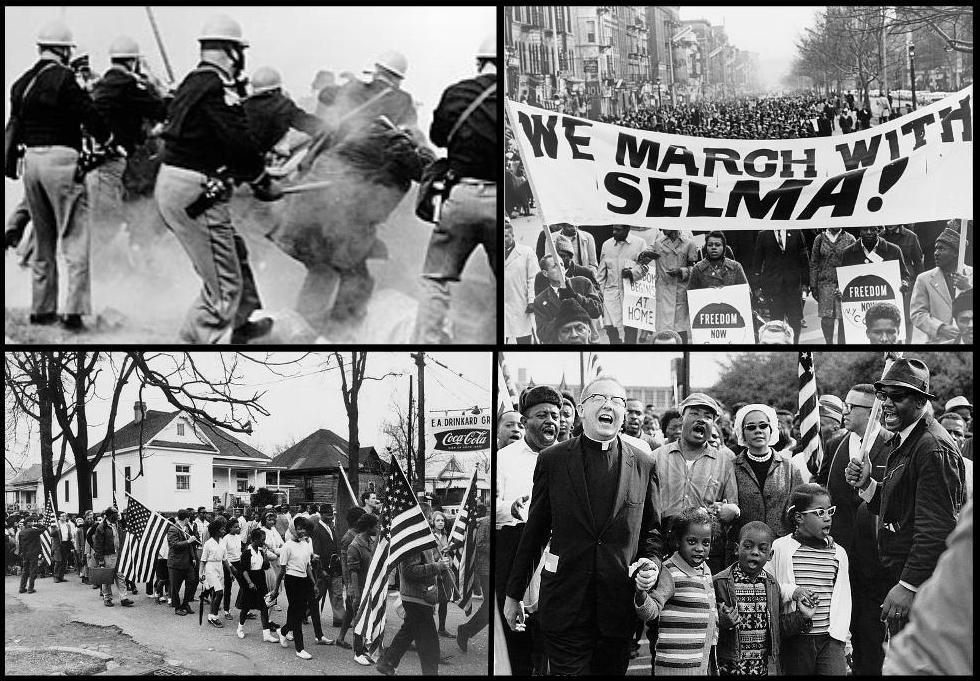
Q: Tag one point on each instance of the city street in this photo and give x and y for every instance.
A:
(148, 637)
(527, 228)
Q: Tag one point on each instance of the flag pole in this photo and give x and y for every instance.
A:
(466, 495)
(549, 240)
(350, 490)
(871, 431)
(961, 257)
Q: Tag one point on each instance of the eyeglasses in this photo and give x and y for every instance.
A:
(616, 401)
(752, 427)
(822, 512)
(893, 396)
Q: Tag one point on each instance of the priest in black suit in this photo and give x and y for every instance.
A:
(596, 498)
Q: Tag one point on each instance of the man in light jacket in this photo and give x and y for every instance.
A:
(520, 266)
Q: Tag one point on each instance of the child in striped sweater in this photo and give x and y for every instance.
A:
(808, 565)
(684, 600)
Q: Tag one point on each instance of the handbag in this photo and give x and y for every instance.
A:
(12, 149)
(436, 177)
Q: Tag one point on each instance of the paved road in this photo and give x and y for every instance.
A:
(37, 619)
(526, 230)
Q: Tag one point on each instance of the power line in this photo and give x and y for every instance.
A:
(458, 374)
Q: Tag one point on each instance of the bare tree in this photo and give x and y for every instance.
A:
(350, 387)
(56, 387)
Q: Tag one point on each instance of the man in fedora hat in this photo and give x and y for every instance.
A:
(922, 490)
(931, 308)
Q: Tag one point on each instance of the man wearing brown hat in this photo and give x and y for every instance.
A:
(540, 408)
(573, 324)
(931, 308)
(922, 490)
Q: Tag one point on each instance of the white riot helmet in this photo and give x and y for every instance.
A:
(124, 47)
(393, 62)
(223, 28)
(488, 48)
(265, 78)
(55, 34)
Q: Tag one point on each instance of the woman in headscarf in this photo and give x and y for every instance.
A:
(764, 477)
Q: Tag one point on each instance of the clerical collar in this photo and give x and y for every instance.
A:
(589, 443)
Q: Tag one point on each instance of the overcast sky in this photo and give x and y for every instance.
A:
(310, 400)
(642, 368)
(770, 31)
(439, 42)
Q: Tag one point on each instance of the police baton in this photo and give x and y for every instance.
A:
(309, 186)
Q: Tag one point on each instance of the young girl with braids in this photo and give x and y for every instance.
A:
(684, 601)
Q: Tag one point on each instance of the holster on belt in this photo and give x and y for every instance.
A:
(217, 188)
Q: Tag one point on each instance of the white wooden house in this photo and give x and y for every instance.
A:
(185, 463)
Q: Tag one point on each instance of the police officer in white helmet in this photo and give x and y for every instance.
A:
(206, 148)
(53, 110)
(465, 123)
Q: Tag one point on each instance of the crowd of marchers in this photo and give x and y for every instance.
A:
(734, 545)
(574, 301)
(286, 562)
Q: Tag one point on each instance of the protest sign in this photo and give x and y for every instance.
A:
(721, 315)
(916, 168)
(640, 302)
(862, 286)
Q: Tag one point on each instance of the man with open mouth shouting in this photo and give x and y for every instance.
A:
(540, 408)
(921, 493)
(596, 497)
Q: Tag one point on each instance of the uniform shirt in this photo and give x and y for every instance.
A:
(271, 114)
(296, 557)
(473, 151)
(125, 101)
(396, 105)
(56, 108)
(515, 474)
(208, 129)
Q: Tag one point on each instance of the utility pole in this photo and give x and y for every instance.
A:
(411, 408)
(686, 374)
(912, 71)
(419, 358)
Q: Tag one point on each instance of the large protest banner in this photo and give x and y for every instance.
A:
(640, 302)
(862, 286)
(916, 168)
(721, 315)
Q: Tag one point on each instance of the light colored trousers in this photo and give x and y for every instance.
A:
(218, 253)
(58, 208)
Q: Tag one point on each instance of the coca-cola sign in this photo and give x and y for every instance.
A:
(463, 440)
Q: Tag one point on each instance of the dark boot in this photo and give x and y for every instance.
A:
(251, 330)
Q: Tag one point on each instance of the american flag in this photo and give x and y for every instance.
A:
(146, 531)
(464, 535)
(809, 414)
(46, 521)
(593, 369)
(404, 533)
(507, 399)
